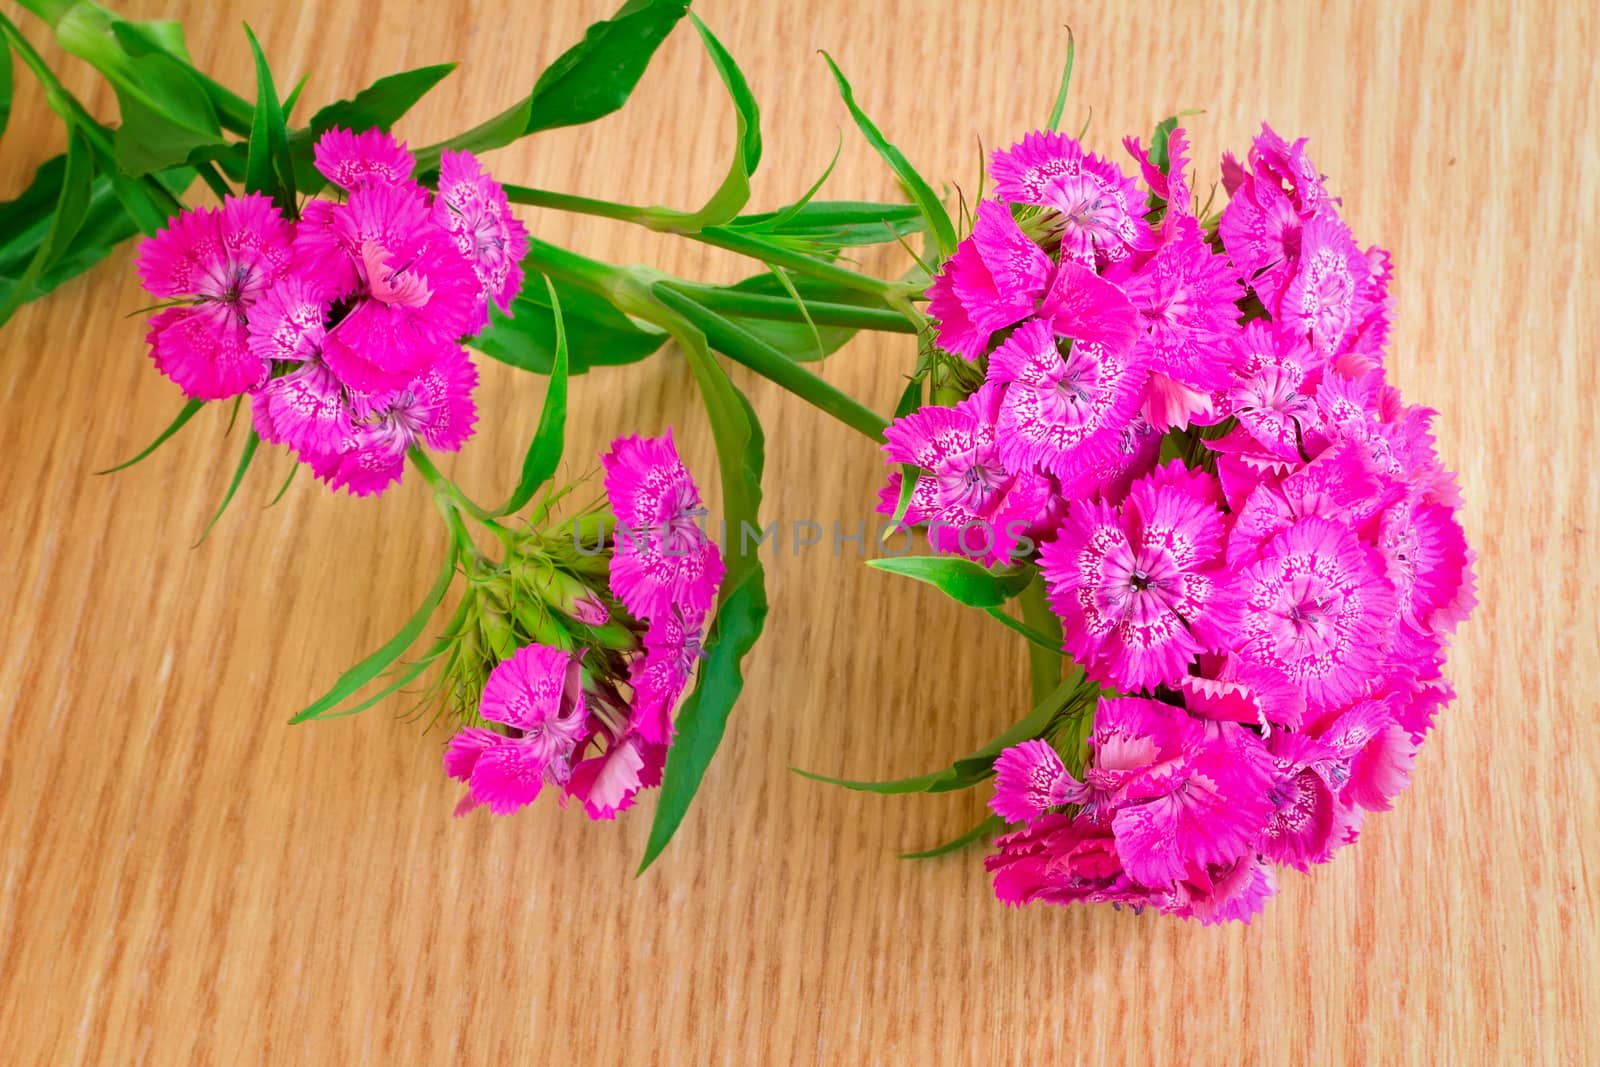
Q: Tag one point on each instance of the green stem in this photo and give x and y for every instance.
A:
(1044, 665)
(578, 205)
(453, 502)
(750, 351)
(784, 309)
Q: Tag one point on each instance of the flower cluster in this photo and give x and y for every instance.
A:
(343, 326)
(594, 646)
(1246, 534)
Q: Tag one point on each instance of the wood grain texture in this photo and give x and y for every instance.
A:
(185, 879)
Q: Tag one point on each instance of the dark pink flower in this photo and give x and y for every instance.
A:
(219, 262)
(663, 556)
(973, 502)
(1317, 608)
(1140, 588)
(671, 650)
(538, 694)
(607, 784)
(349, 159)
(994, 280)
(1029, 780)
(472, 207)
(1097, 207)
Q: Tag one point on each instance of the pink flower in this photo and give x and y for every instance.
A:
(1140, 588)
(994, 280)
(1191, 795)
(1096, 205)
(1317, 609)
(436, 407)
(1229, 689)
(289, 321)
(671, 649)
(1331, 276)
(1063, 412)
(305, 409)
(537, 693)
(221, 261)
(1267, 207)
(1232, 892)
(1170, 186)
(1063, 860)
(663, 557)
(349, 159)
(412, 294)
(973, 502)
(608, 784)
(1274, 378)
(472, 207)
(1185, 297)
(1427, 559)
(1030, 779)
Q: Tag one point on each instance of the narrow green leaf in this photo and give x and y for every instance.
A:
(744, 100)
(378, 106)
(268, 168)
(404, 678)
(597, 334)
(188, 412)
(166, 115)
(163, 35)
(960, 579)
(251, 443)
(73, 196)
(549, 440)
(353, 679)
(742, 606)
(5, 85)
(294, 96)
(969, 770)
(1066, 82)
(704, 716)
(938, 219)
(989, 826)
(592, 78)
(835, 223)
(287, 482)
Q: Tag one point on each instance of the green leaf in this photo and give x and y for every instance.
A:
(5, 85)
(598, 335)
(73, 195)
(378, 106)
(970, 770)
(704, 715)
(592, 78)
(742, 607)
(1066, 82)
(156, 35)
(829, 225)
(188, 412)
(960, 579)
(544, 451)
(734, 192)
(991, 825)
(268, 168)
(251, 443)
(166, 115)
(353, 679)
(938, 219)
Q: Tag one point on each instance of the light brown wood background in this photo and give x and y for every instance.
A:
(185, 879)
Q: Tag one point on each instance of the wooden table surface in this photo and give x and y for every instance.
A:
(185, 879)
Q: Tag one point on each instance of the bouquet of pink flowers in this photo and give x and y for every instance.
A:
(1153, 438)
(1179, 424)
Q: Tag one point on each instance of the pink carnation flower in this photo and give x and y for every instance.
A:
(994, 280)
(1097, 206)
(537, 693)
(1171, 186)
(1185, 297)
(1140, 588)
(436, 407)
(1029, 780)
(305, 409)
(973, 502)
(671, 649)
(608, 784)
(222, 261)
(1267, 207)
(663, 557)
(412, 293)
(1063, 860)
(1331, 276)
(1317, 609)
(472, 207)
(1189, 795)
(349, 159)
(1271, 394)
